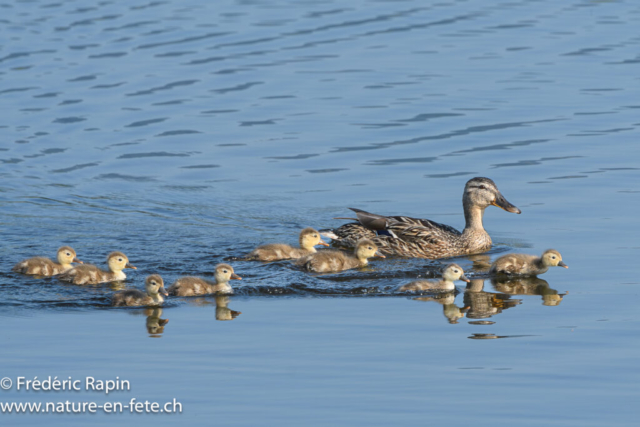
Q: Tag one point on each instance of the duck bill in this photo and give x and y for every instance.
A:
(323, 243)
(502, 203)
(562, 264)
(164, 292)
(236, 277)
(130, 266)
(379, 255)
(464, 278)
(77, 261)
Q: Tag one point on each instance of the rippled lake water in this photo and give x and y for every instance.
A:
(182, 133)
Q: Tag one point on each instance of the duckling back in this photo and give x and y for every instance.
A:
(88, 274)
(275, 252)
(133, 298)
(328, 261)
(39, 266)
(518, 264)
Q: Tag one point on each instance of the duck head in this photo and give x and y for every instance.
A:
(310, 237)
(154, 285)
(483, 192)
(224, 272)
(453, 272)
(66, 255)
(552, 258)
(118, 261)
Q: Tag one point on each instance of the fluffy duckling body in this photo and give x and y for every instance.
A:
(450, 274)
(527, 265)
(41, 266)
(309, 238)
(154, 285)
(191, 286)
(90, 274)
(334, 261)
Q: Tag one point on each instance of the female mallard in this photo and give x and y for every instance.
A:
(527, 265)
(40, 266)
(309, 238)
(422, 238)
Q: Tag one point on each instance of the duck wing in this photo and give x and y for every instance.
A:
(403, 227)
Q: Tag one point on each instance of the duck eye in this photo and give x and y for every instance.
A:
(482, 187)
(224, 271)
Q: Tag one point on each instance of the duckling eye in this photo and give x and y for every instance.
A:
(455, 271)
(120, 259)
(370, 248)
(482, 187)
(225, 271)
(553, 257)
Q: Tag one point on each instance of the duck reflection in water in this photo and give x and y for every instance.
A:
(484, 304)
(450, 310)
(528, 286)
(155, 325)
(223, 312)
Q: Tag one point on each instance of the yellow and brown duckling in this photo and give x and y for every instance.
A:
(527, 265)
(88, 274)
(422, 238)
(334, 261)
(41, 266)
(450, 274)
(154, 285)
(191, 286)
(309, 238)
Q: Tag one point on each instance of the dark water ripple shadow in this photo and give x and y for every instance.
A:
(152, 154)
(75, 168)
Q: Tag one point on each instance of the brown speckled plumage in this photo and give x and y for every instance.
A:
(422, 238)
(40, 266)
(309, 238)
(189, 286)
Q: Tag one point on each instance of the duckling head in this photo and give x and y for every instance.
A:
(154, 285)
(483, 192)
(453, 272)
(365, 249)
(66, 255)
(118, 261)
(552, 258)
(224, 272)
(310, 237)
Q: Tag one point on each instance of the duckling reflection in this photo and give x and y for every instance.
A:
(155, 325)
(450, 310)
(528, 286)
(223, 312)
(485, 304)
(481, 262)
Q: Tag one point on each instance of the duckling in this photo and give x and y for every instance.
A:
(90, 274)
(309, 238)
(527, 265)
(190, 286)
(154, 285)
(45, 267)
(451, 273)
(333, 261)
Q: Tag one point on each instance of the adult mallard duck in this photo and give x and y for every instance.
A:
(422, 238)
